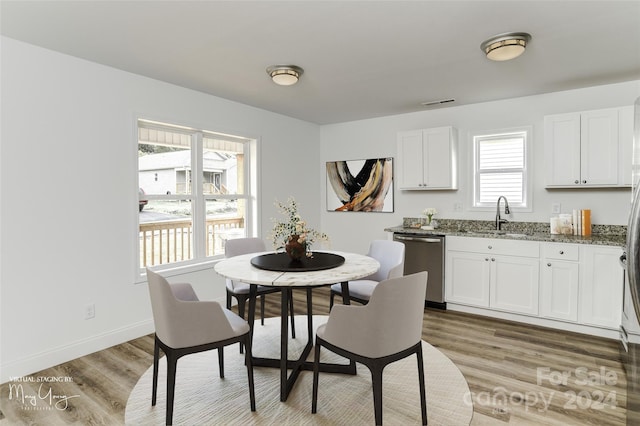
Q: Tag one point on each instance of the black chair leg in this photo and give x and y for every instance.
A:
(262, 309)
(331, 296)
(241, 305)
(156, 359)
(172, 362)
(423, 395)
(221, 361)
(376, 378)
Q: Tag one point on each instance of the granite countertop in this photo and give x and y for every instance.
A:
(608, 235)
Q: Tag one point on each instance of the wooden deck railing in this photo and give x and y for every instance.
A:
(172, 241)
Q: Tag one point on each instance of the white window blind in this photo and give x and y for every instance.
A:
(500, 168)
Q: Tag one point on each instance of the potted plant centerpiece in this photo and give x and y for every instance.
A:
(292, 234)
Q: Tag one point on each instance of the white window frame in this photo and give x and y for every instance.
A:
(527, 181)
(198, 199)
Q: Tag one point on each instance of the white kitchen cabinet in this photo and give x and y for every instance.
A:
(626, 145)
(587, 149)
(601, 286)
(467, 278)
(499, 274)
(514, 284)
(427, 159)
(559, 281)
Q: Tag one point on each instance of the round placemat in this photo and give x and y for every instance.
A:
(283, 263)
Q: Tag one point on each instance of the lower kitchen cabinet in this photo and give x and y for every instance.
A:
(559, 290)
(498, 274)
(514, 284)
(575, 287)
(467, 278)
(559, 281)
(601, 286)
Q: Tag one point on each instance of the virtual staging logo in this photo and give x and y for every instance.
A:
(587, 391)
(39, 393)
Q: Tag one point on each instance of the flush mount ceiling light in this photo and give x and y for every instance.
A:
(285, 75)
(503, 47)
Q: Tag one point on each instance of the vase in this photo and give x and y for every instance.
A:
(295, 249)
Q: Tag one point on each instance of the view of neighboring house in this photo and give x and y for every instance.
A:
(170, 172)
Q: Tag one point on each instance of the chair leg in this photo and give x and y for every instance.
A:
(156, 359)
(316, 374)
(241, 305)
(221, 361)
(249, 364)
(331, 300)
(262, 309)
(376, 379)
(228, 299)
(293, 325)
(423, 395)
(172, 362)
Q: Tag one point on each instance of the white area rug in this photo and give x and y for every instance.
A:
(202, 398)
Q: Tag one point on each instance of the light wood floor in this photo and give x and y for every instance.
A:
(517, 374)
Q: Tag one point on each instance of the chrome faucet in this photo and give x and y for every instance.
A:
(499, 220)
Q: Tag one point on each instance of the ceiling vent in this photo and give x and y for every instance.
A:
(437, 103)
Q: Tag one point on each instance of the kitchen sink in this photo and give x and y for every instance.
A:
(490, 232)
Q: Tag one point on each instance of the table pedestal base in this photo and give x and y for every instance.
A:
(287, 381)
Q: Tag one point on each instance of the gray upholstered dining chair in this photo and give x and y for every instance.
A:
(390, 254)
(385, 330)
(186, 325)
(240, 290)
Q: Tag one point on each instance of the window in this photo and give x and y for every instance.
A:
(500, 168)
(195, 190)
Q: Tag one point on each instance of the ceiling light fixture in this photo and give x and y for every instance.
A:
(503, 47)
(285, 75)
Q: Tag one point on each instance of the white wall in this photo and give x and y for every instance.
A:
(69, 201)
(376, 138)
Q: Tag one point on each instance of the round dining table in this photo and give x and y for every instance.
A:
(326, 268)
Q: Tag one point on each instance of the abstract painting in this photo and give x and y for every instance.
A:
(360, 185)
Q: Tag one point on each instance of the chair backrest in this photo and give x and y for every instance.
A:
(238, 246)
(389, 323)
(390, 254)
(178, 322)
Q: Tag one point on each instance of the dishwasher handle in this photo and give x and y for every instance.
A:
(418, 239)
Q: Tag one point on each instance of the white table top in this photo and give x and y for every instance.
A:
(239, 268)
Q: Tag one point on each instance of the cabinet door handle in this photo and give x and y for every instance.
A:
(493, 259)
(548, 264)
(561, 251)
(489, 247)
(486, 259)
(576, 181)
(584, 181)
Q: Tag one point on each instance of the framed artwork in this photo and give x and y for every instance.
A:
(360, 185)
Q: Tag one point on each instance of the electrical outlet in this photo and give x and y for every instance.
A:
(90, 311)
(555, 208)
(457, 207)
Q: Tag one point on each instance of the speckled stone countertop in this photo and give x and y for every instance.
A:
(607, 235)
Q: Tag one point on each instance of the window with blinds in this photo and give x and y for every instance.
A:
(500, 168)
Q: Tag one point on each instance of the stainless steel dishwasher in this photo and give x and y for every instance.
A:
(426, 253)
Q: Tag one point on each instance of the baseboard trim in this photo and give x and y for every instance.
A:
(543, 322)
(14, 369)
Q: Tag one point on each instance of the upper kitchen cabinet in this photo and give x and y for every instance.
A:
(588, 149)
(427, 159)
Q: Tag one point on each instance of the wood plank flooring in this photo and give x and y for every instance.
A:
(517, 374)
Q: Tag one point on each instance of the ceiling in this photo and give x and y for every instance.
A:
(362, 59)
